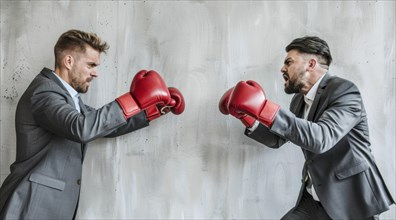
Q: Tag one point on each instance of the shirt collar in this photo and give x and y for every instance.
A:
(310, 96)
(71, 90)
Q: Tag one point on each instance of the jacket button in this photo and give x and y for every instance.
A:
(79, 182)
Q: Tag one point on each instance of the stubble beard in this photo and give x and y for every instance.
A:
(78, 84)
(295, 85)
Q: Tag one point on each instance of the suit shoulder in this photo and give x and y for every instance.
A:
(43, 84)
(338, 81)
(41, 87)
(341, 86)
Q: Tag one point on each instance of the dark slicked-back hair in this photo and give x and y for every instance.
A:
(312, 45)
(76, 40)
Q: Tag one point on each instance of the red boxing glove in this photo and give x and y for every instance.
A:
(148, 92)
(247, 120)
(249, 98)
(178, 99)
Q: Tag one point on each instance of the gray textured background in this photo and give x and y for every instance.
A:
(199, 165)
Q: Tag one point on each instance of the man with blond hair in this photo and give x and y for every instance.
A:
(53, 127)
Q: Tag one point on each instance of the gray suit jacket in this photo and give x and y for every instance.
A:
(44, 182)
(335, 143)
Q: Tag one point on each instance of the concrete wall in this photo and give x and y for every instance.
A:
(199, 165)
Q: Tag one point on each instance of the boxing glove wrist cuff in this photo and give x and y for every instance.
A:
(268, 113)
(128, 105)
(152, 112)
(248, 121)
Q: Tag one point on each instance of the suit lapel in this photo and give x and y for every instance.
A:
(312, 111)
(82, 106)
(83, 110)
(322, 86)
(297, 107)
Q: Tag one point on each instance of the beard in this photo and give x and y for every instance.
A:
(80, 85)
(294, 85)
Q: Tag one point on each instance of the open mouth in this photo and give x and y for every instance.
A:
(285, 77)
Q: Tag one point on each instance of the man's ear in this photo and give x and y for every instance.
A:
(312, 63)
(68, 61)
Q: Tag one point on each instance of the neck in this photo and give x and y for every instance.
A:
(312, 79)
(62, 73)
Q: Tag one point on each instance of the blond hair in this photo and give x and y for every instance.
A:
(76, 40)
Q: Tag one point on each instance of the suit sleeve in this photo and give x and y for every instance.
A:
(263, 135)
(342, 111)
(133, 123)
(51, 110)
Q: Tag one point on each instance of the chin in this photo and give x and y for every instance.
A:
(82, 90)
(288, 91)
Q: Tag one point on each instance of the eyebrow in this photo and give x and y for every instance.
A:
(93, 64)
(288, 60)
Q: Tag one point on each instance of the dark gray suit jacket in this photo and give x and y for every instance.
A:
(44, 182)
(335, 143)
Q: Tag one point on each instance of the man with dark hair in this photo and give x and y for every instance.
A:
(53, 127)
(328, 121)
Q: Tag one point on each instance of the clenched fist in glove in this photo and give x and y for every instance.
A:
(148, 92)
(178, 99)
(249, 98)
(247, 120)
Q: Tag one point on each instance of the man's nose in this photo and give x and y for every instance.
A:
(283, 69)
(94, 73)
